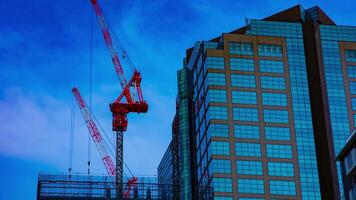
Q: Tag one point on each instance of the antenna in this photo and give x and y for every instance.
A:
(247, 23)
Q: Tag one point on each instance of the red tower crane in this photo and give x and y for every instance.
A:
(95, 133)
(129, 89)
(120, 108)
(98, 140)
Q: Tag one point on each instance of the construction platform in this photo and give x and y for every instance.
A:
(95, 187)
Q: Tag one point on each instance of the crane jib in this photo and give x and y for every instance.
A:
(94, 132)
(109, 43)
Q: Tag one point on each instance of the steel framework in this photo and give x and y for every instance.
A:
(80, 186)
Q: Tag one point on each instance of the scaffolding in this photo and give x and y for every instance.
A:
(95, 187)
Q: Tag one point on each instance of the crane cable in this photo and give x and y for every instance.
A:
(121, 48)
(71, 137)
(90, 83)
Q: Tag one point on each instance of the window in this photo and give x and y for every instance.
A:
(274, 99)
(350, 161)
(275, 116)
(277, 133)
(249, 167)
(269, 82)
(242, 64)
(212, 45)
(280, 169)
(221, 166)
(350, 55)
(282, 187)
(353, 103)
(217, 112)
(222, 198)
(216, 79)
(352, 193)
(217, 96)
(240, 48)
(248, 149)
(245, 114)
(218, 130)
(245, 81)
(220, 148)
(242, 97)
(215, 62)
(279, 151)
(351, 71)
(269, 50)
(222, 184)
(352, 86)
(247, 132)
(253, 186)
(271, 66)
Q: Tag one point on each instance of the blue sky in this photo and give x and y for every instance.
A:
(44, 52)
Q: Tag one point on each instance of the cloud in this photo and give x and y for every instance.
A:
(36, 127)
(29, 126)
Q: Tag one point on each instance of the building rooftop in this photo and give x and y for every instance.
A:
(293, 14)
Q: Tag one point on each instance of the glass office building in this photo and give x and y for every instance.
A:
(271, 106)
(253, 129)
(165, 170)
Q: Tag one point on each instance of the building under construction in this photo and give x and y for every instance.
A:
(99, 187)
(80, 186)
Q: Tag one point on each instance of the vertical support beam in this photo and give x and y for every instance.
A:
(323, 135)
(175, 157)
(119, 164)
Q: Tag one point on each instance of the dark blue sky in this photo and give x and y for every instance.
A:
(44, 52)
